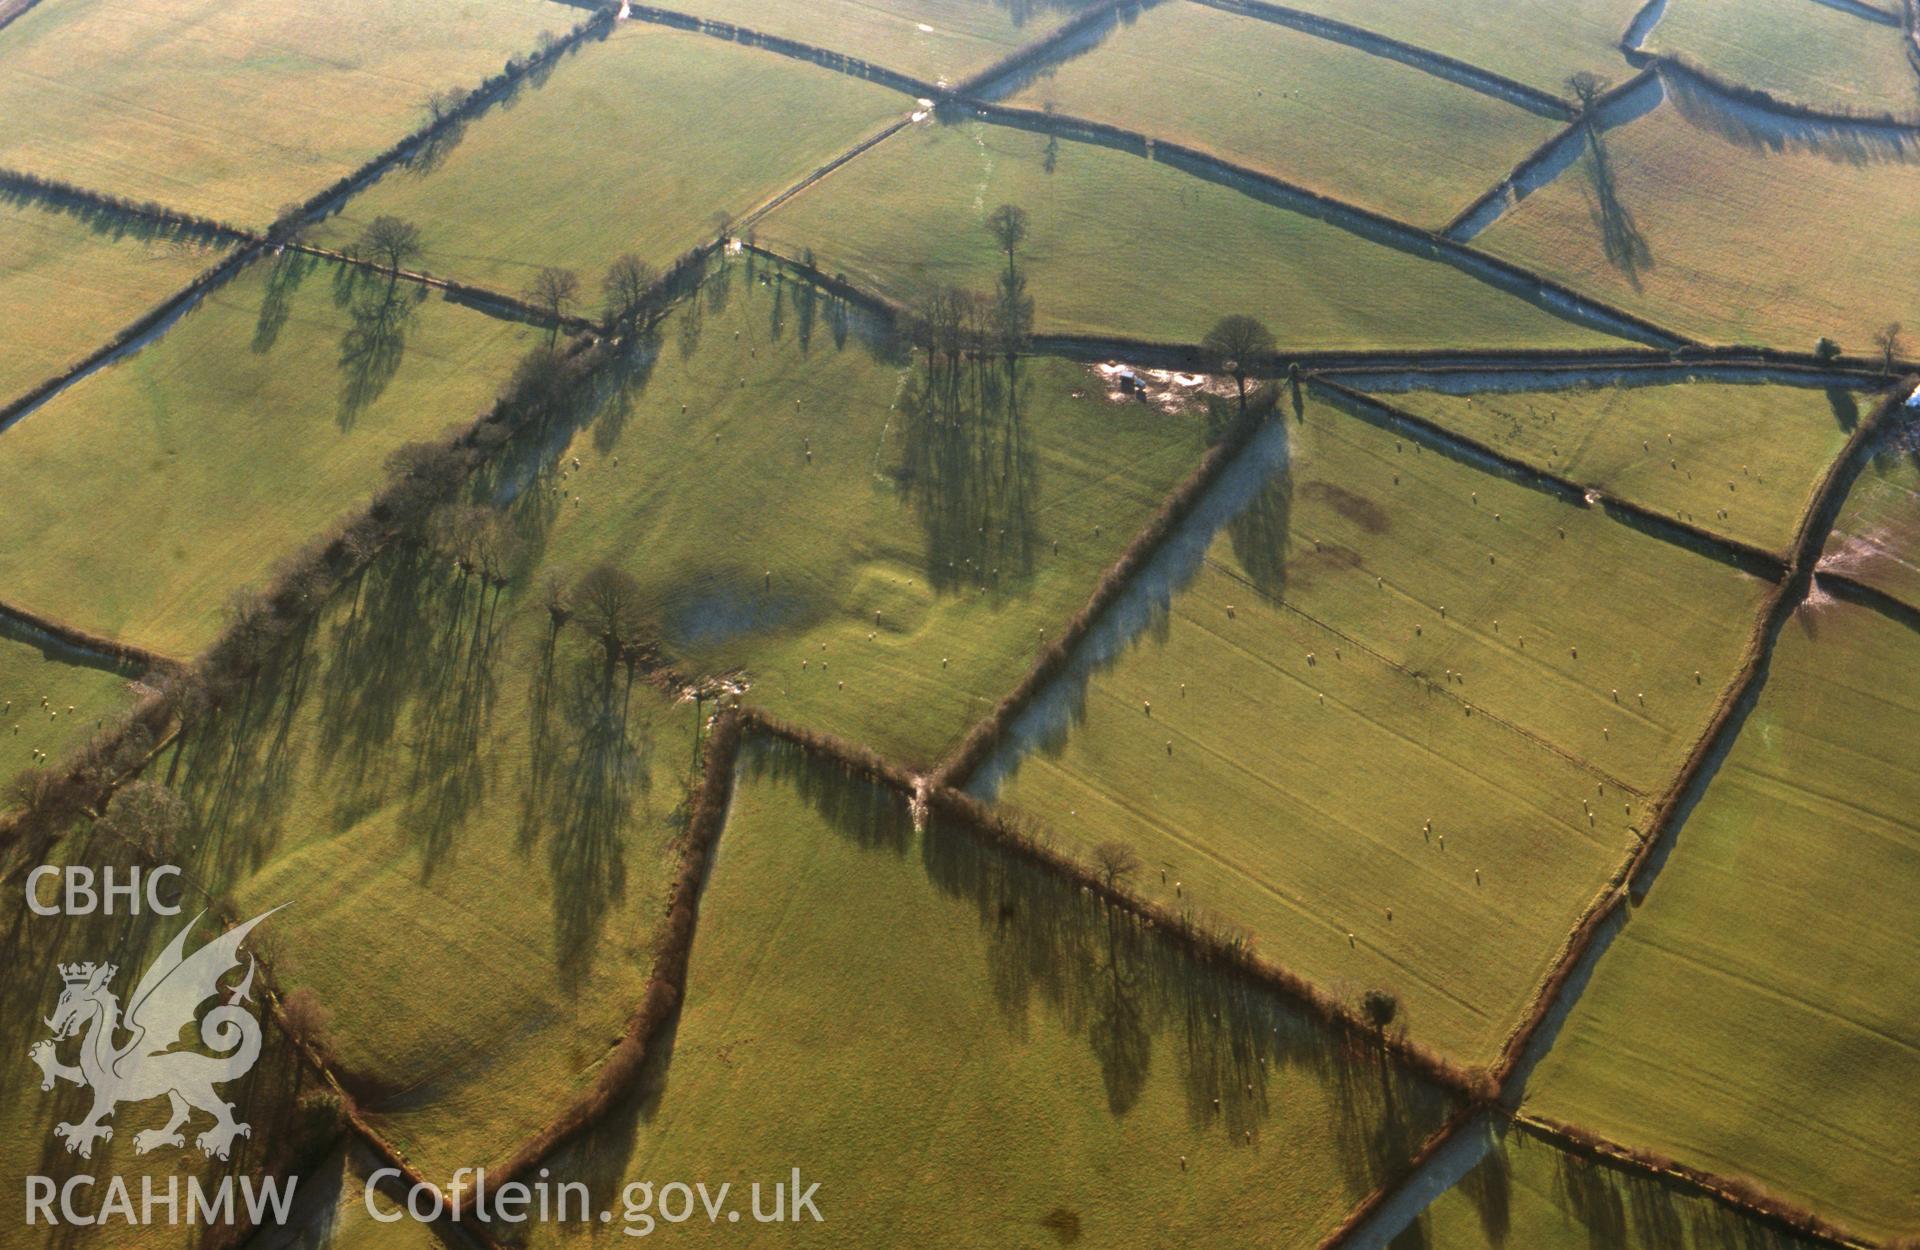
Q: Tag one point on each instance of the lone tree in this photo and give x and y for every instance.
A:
(1008, 226)
(1116, 862)
(1587, 88)
(626, 288)
(390, 240)
(1888, 341)
(1234, 344)
(606, 602)
(1380, 1008)
(554, 291)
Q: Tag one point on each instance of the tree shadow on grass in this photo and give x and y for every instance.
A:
(284, 276)
(380, 312)
(1621, 242)
(968, 471)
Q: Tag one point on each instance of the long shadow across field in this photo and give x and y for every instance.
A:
(1135, 998)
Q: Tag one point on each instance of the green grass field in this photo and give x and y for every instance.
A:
(68, 285)
(962, 1050)
(1695, 232)
(1533, 41)
(1876, 538)
(941, 40)
(231, 108)
(1527, 1193)
(137, 501)
(1691, 450)
(1292, 684)
(898, 561)
(1344, 122)
(1812, 54)
(425, 761)
(32, 671)
(1757, 1015)
(907, 217)
(632, 145)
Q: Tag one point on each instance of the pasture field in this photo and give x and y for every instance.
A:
(1122, 245)
(940, 40)
(268, 1098)
(1876, 538)
(1812, 54)
(33, 668)
(432, 757)
(232, 108)
(1308, 674)
(633, 145)
(1691, 450)
(139, 499)
(879, 565)
(1756, 1016)
(1344, 122)
(331, 1211)
(1527, 1192)
(1536, 43)
(966, 1051)
(1689, 225)
(67, 285)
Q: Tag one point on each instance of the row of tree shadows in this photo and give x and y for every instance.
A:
(1135, 998)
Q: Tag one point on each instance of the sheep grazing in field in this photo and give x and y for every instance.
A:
(1183, 689)
(1169, 748)
(1616, 696)
(841, 685)
(1573, 653)
(1350, 941)
(1696, 676)
(1176, 889)
(1489, 557)
(1310, 660)
(1147, 706)
(943, 661)
(1642, 698)
(1443, 841)
(1323, 700)
(1496, 516)
(1562, 529)
(803, 666)
(1389, 915)
(1476, 876)
(1606, 733)
(1396, 479)
(1476, 498)
(1183, 1163)
(1443, 611)
(1417, 631)
(1229, 611)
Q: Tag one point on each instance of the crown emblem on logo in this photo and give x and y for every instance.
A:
(78, 974)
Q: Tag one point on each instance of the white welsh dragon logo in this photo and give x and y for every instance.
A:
(147, 1066)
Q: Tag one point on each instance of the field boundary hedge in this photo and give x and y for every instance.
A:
(1786, 596)
(799, 50)
(1546, 148)
(986, 734)
(11, 9)
(1363, 222)
(1743, 555)
(1439, 64)
(1379, 1195)
(673, 950)
(820, 171)
(1025, 56)
(1682, 65)
(1745, 1197)
(125, 654)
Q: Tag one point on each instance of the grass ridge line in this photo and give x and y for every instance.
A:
(1463, 73)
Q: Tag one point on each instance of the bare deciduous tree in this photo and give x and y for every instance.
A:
(1116, 862)
(1587, 88)
(147, 815)
(1234, 345)
(1008, 226)
(1888, 342)
(626, 288)
(607, 603)
(390, 240)
(554, 291)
